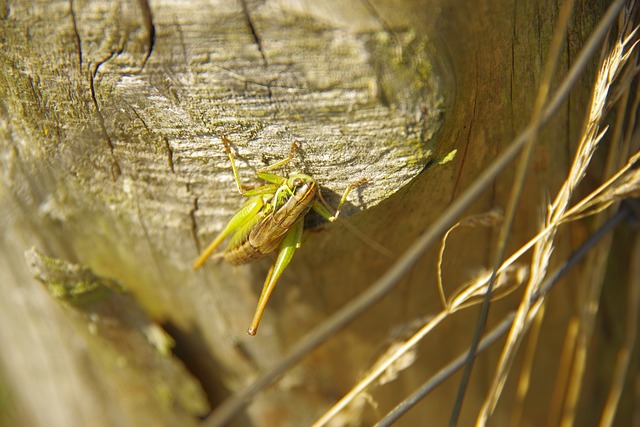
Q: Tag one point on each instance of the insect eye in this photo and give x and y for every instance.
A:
(297, 182)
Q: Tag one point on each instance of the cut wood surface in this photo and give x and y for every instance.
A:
(111, 115)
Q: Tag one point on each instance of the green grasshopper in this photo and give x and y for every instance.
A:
(271, 219)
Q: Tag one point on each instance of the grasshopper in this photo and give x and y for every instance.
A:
(272, 219)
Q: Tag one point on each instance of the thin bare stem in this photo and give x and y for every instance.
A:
(631, 335)
(544, 248)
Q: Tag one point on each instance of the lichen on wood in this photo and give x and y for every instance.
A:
(123, 343)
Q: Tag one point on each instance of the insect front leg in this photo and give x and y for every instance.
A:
(322, 207)
(273, 178)
(287, 248)
(236, 176)
(263, 174)
(292, 153)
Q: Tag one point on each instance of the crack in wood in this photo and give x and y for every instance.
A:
(151, 30)
(194, 223)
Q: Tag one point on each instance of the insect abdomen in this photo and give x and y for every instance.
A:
(239, 250)
(265, 235)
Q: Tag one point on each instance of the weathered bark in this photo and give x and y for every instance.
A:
(110, 125)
